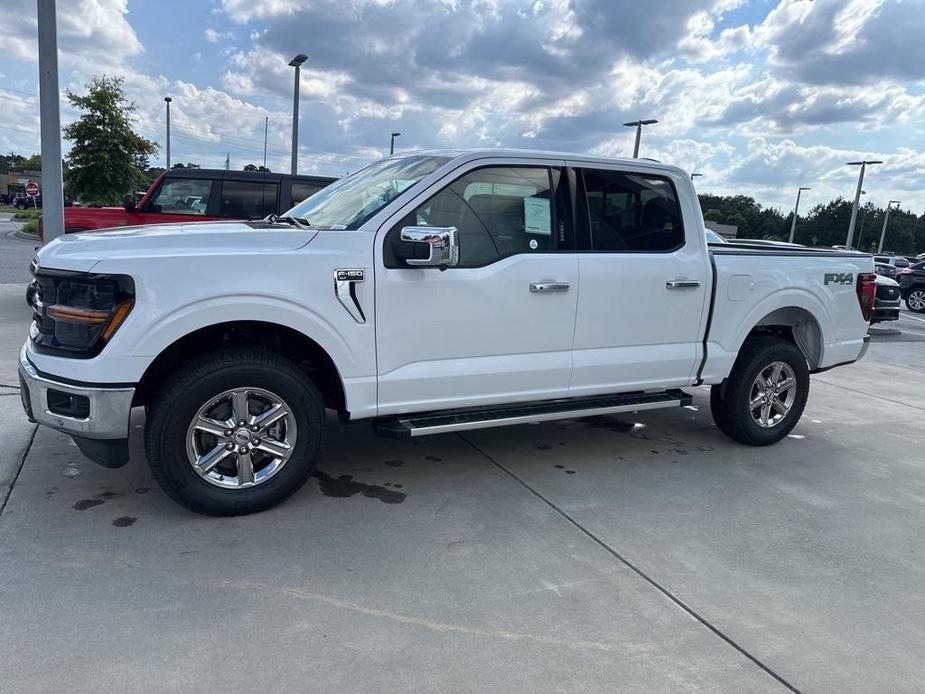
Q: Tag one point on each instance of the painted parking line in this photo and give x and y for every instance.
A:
(915, 318)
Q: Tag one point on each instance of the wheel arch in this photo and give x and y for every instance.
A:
(302, 350)
(795, 324)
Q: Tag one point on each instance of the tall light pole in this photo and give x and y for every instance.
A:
(168, 100)
(857, 197)
(392, 143)
(266, 126)
(638, 125)
(796, 209)
(886, 218)
(50, 123)
(695, 174)
(297, 64)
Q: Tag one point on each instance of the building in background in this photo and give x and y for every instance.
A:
(727, 231)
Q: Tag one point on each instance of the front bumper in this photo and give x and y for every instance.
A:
(100, 430)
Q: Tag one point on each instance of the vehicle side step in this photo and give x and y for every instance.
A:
(422, 424)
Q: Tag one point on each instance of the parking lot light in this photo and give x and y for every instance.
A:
(695, 174)
(857, 197)
(886, 218)
(392, 143)
(296, 62)
(167, 99)
(796, 209)
(638, 125)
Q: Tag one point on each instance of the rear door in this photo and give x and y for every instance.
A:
(644, 280)
(248, 199)
(498, 327)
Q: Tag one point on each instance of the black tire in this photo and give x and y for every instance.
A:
(729, 401)
(918, 296)
(176, 404)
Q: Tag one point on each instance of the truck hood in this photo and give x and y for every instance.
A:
(80, 252)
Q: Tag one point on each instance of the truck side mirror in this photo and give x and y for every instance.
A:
(429, 246)
(128, 202)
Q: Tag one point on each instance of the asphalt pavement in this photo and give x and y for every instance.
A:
(15, 252)
(644, 552)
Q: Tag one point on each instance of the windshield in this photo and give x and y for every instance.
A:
(347, 203)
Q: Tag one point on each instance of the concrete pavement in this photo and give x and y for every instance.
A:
(639, 553)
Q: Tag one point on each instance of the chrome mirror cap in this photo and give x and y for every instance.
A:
(443, 243)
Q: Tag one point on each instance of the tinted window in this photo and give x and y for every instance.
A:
(248, 199)
(497, 212)
(632, 212)
(352, 200)
(301, 191)
(182, 196)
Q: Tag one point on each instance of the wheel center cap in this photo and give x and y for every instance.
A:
(242, 437)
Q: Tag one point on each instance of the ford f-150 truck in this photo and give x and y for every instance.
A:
(429, 293)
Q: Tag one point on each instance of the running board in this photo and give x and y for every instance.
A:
(425, 423)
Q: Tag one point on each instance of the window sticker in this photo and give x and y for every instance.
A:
(537, 217)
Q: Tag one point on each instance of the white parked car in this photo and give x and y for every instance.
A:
(428, 293)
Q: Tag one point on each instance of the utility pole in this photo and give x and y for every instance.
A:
(638, 125)
(886, 218)
(857, 198)
(266, 124)
(796, 209)
(297, 64)
(228, 161)
(50, 115)
(168, 100)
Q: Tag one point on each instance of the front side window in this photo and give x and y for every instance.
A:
(187, 196)
(351, 201)
(248, 199)
(632, 212)
(497, 212)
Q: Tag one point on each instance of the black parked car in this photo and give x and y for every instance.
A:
(912, 282)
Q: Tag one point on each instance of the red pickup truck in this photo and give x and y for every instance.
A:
(199, 195)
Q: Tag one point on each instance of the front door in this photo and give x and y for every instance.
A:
(496, 328)
(644, 276)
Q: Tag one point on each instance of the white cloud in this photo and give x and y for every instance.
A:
(91, 33)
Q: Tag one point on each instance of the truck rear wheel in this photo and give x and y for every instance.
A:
(764, 396)
(235, 432)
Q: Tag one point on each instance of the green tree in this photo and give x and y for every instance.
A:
(107, 158)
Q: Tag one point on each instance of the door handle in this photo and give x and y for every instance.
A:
(682, 284)
(547, 287)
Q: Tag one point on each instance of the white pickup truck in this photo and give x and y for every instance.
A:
(430, 293)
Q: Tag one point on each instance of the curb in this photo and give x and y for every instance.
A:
(22, 235)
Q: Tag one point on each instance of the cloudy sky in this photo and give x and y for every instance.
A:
(760, 96)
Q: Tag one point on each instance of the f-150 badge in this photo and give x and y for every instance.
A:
(345, 289)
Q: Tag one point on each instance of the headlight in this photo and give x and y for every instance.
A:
(76, 313)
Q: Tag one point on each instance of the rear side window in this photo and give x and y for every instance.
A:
(248, 199)
(182, 196)
(632, 213)
(301, 191)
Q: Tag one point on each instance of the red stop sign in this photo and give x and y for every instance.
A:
(32, 189)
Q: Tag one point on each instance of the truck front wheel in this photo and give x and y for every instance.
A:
(234, 432)
(764, 396)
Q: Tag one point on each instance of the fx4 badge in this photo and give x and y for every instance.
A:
(345, 282)
(839, 278)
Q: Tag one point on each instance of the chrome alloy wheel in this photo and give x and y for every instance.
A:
(241, 438)
(916, 300)
(772, 394)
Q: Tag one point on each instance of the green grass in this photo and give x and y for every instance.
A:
(25, 215)
(31, 228)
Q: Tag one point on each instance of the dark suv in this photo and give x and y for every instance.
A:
(201, 195)
(912, 282)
